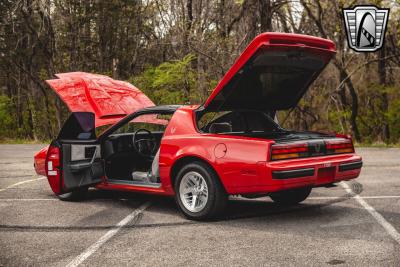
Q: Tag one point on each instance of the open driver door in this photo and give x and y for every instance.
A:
(73, 160)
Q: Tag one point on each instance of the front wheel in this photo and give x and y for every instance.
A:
(198, 191)
(292, 196)
(75, 195)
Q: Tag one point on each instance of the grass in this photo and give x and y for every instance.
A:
(377, 145)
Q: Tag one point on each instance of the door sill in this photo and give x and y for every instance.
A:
(134, 183)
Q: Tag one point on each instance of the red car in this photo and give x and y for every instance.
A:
(116, 138)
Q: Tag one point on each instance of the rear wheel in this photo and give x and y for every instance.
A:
(198, 191)
(75, 195)
(292, 196)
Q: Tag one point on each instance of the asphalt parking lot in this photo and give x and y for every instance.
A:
(332, 227)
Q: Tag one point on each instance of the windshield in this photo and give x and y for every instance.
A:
(151, 122)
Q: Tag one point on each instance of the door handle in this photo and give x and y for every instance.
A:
(77, 167)
(94, 155)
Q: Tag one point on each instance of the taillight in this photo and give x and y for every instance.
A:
(53, 161)
(339, 146)
(53, 171)
(289, 151)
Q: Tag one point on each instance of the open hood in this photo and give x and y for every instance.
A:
(272, 73)
(110, 100)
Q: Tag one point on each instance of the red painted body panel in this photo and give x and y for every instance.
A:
(268, 184)
(109, 99)
(39, 161)
(242, 163)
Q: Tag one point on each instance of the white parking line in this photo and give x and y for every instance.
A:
(363, 197)
(23, 182)
(27, 199)
(95, 246)
(378, 217)
(378, 197)
(309, 198)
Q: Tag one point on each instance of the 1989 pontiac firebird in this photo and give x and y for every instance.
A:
(116, 138)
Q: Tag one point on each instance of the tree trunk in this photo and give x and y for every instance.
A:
(354, 110)
(354, 98)
(58, 113)
(384, 96)
(201, 80)
(265, 11)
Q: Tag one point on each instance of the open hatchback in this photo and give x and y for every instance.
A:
(273, 73)
(200, 154)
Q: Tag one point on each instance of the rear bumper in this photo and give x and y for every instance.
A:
(350, 166)
(309, 172)
(318, 171)
(289, 174)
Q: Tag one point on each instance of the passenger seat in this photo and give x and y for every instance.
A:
(153, 175)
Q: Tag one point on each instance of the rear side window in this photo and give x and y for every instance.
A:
(238, 121)
(259, 122)
(255, 122)
(234, 119)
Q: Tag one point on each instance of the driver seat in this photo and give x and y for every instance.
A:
(153, 175)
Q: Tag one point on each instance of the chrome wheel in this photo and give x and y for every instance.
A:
(193, 191)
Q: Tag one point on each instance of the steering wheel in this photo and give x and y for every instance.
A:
(145, 146)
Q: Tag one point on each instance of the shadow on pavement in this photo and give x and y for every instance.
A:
(237, 209)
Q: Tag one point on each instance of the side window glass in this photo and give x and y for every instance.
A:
(260, 122)
(79, 126)
(233, 121)
(237, 122)
(256, 122)
(203, 122)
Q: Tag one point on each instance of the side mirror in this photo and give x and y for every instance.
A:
(79, 126)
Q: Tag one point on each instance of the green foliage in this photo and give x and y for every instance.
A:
(372, 113)
(6, 117)
(169, 83)
(394, 120)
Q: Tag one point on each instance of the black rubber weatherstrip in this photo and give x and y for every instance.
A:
(292, 173)
(350, 166)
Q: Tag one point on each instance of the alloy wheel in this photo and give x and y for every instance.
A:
(193, 191)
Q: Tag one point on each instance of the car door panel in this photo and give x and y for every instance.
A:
(74, 158)
(82, 165)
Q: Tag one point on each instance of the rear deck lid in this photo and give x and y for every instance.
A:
(109, 99)
(272, 73)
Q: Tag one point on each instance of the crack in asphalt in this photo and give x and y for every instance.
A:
(134, 225)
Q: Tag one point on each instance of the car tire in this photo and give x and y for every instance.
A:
(75, 195)
(292, 196)
(209, 206)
